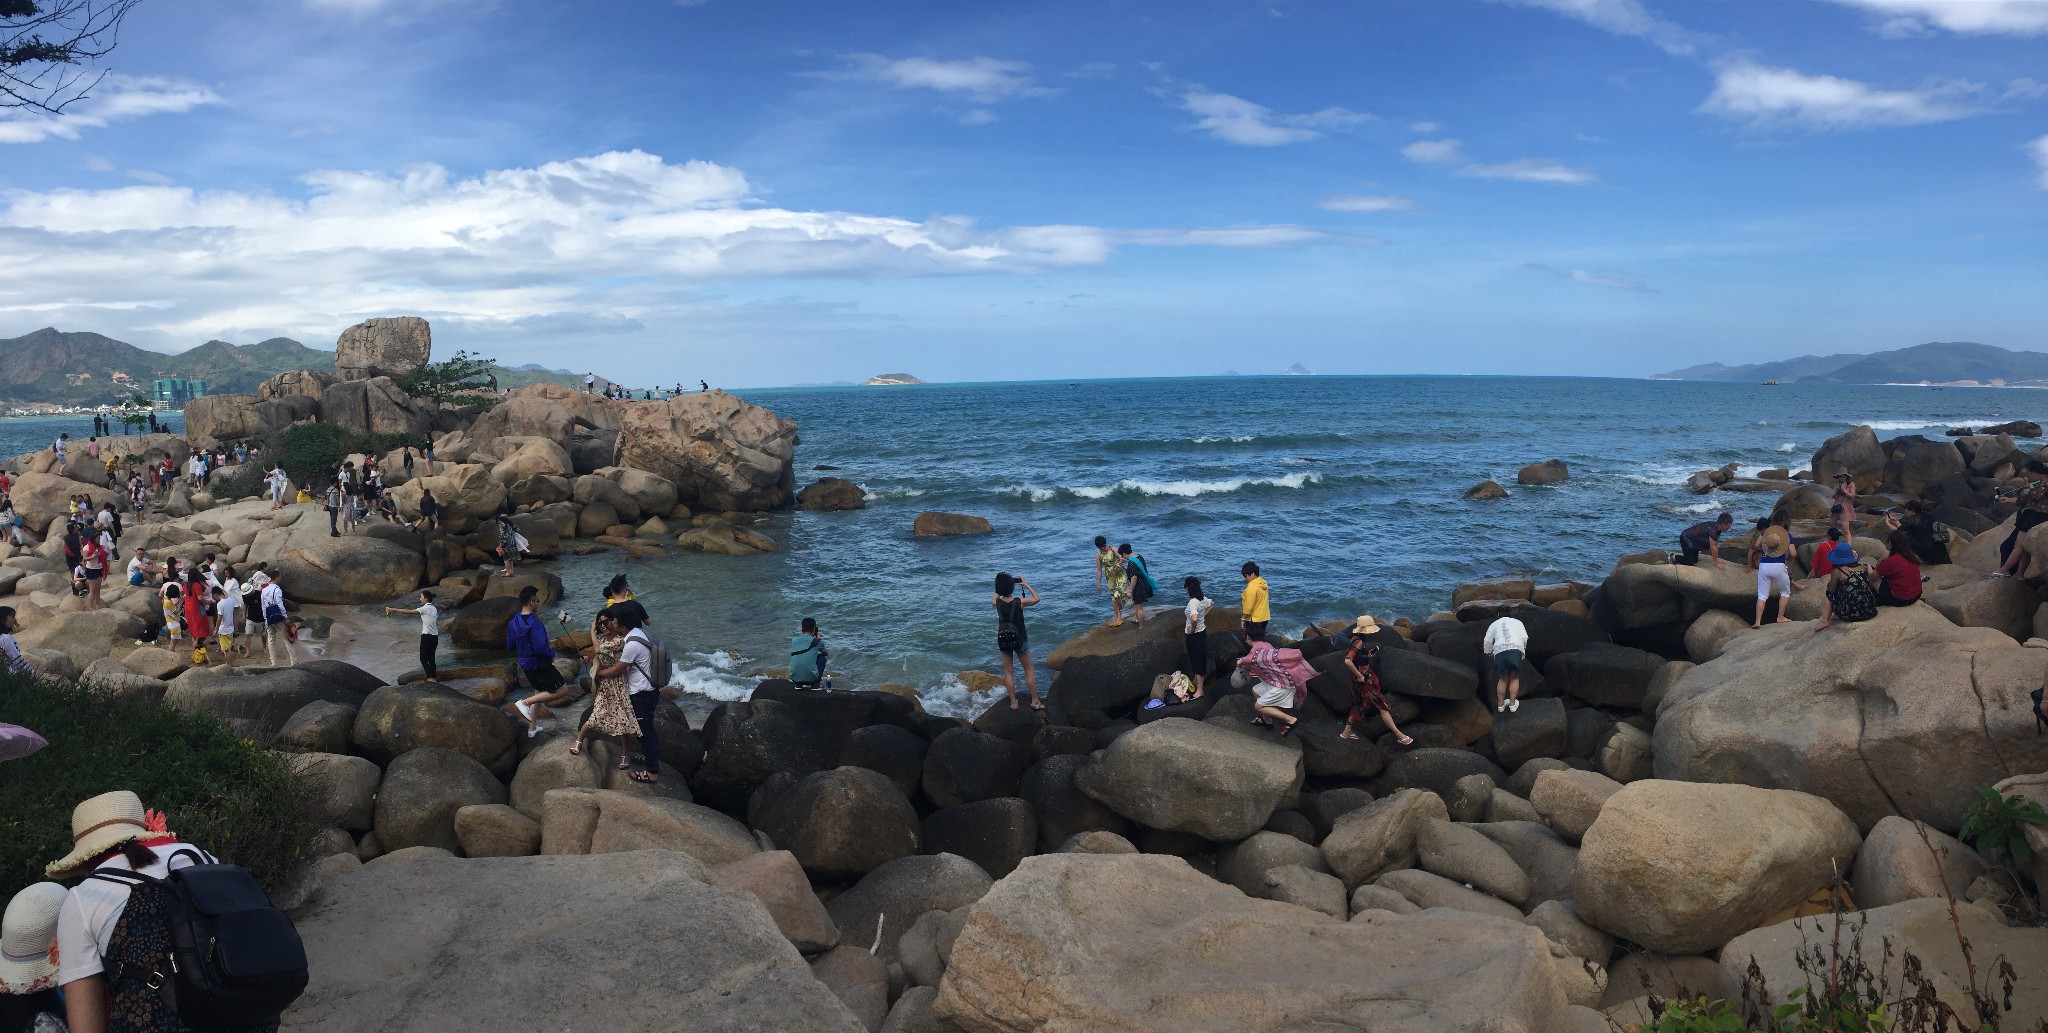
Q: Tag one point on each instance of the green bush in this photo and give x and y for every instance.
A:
(1997, 826)
(220, 791)
(307, 450)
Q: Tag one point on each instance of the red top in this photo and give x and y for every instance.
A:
(1822, 566)
(1901, 575)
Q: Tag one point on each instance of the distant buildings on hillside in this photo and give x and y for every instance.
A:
(173, 393)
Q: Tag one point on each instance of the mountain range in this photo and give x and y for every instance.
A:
(1941, 362)
(75, 368)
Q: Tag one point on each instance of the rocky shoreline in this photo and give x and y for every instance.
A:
(1678, 795)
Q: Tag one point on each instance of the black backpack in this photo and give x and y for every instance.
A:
(1854, 600)
(220, 955)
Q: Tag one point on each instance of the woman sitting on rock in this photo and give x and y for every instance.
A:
(1930, 537)
(2033, 500)
(1899, 574)
(1362, 662)
(1850, 597)
(611, 712)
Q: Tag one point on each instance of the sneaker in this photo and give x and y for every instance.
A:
(531, 732)
(1514, 704)
(525, 710)
(1500, 708)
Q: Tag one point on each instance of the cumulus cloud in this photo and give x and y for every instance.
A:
(1369, 204)
(622, 237)
(1623, 18)
(1532, 170)
(1434, 152)
(2039, 150)
(985, 79)
(1746, 91)
(1964, 17)
(117, 98)
(1239, 121)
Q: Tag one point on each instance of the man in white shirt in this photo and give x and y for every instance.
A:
(635, 660)
(275, 630)
(139, 567)
(1507, 640)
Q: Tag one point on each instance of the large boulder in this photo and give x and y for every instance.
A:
(341, 790)
(1639, 596)
(634, 821)
(1186, 776)
(496, 830)
(552, 766)
(1114, 683)
(383, 562)
(2002, 604)
(84, 635)
(744, 743)
(1604, 674)
(1927, 462)
(232, 417)
(775, 878)
(520, 458)
(841, 823)
(721, 453)
(831, 494)
(1063, 810)
(260, 701)
(1380, 836)
(299, 383)
(964, 765)
(586, 426)
(1902, 860)
(390, 347)
(1244, 865)
(466, 494)
(1142, 943)
(896, 753)
(376, 405)
(421, 946)
(1855, 452)
(421, 792)
(1903, 715)
(1682, 867)
(995, 834)
(398, 719)
(891, 897)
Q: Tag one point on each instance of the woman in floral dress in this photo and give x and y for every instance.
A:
(611, 713)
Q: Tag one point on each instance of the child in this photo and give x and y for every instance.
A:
(224, 605)
(173, 612)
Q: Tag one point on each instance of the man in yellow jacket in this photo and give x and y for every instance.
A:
(1254, 605)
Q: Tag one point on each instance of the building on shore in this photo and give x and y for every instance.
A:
(173, 393)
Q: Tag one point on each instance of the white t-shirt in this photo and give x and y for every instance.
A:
(85, 924)
(224, 610)
(637, 655)
(1198, 615)
(1504, 634)
(430, 619)
(11, 658)
(137, 567)
(272, 598)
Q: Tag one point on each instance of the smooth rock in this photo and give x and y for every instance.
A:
(842, 823)
(1569, 801)
(421, 791)
(1188, 776)
(1896, 864)
(496, 830)
(1432, 891)
(1458, 853)
(895, 894)
(1379, 836)
(776, 879)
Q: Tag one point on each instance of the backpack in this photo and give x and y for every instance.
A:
(1854, 600)
(1008, 638)
(658, 669)
(201, 950)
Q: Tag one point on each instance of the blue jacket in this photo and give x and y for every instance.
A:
(527, 636)
(805, 652)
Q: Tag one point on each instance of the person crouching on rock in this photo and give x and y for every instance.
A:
(1850, 597)
(1507, 641)
(1279, 683)
(1704, 537)
(2033, 500)
(1770, 554)
(1361, 661)
(807, 656)
(526, 635)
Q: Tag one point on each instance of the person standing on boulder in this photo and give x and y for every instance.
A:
(1507, 642)
(1362, 662)
(1012, 640)
(1843, 508)
(1109, 574)
(509, 544)
(276, 624)
(1771, 555)
(526, 636)
(1254, 603)
(430, 633)
(1194, 632)
(1704, 537)
(636, 655)
(1142, 587)
(611, 709)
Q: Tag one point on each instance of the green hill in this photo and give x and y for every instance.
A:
(1940, 362)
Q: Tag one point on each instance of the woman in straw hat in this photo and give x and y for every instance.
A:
(112, 831)
(28, 960)
(1361, 661)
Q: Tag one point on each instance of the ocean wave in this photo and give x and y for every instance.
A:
(1181, 489)
(1788, 447)
(951, 698)
(1690, 509)
(713, 675)
(894, 493)
(1238, 440)
(1913, 424)
(1226, 441)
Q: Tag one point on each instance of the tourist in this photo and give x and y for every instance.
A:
(1194, 632)
(29, 1002)
(11, 660)
(1771, 555)
(427, 459)
(1755, 544)
(1850, 597)
(636, 659)
(590, 383)
(1930, 537)
(1254, 603)
(1362, 661)
(252, 605)
(430, 511)
(430, 632)
(807, 656)
(171, 596)
(1507, 642)
(618, 593)
(408, 462)
(527, 637)
(114, 840)
(611, 710)
(333, 508)
(1843, 509)
(225, 621)
(1278, 679)
(93, 556)
(232, 612)
(1142, 587)
(351, 506)
(510, 544)
(1899, 577)
(198, 621)
(1012, 640)
(63, 442)
(278, 482)
(277, 626)
(2033, 502)
(1821, 566)
(1109, 574)
(139, 568)
(1704, 537)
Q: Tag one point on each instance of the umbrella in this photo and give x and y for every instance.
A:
(17, 742)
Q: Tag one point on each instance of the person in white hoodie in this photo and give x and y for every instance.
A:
(1507, 640)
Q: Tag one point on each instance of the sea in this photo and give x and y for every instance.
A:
(1347, 491)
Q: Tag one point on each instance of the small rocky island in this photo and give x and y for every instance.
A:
(890, 380)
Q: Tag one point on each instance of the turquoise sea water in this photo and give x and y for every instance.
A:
(1345, 490)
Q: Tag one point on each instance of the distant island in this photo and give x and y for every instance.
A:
(890, 380)
(67, 369)
(1948, 364)
(1297, 370)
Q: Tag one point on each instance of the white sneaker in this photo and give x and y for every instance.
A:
(533, 731)
(1500, 708)
(1514, 704)
(525, 710)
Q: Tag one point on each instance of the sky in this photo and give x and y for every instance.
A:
(769, 193)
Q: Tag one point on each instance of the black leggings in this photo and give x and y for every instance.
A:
(2026, 521)
(1886, 598)
(429, 645)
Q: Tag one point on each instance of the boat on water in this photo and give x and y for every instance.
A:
(1770, 383)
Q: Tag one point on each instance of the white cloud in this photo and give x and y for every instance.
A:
(2025, 89)
(1761, 95)
(978, 117)
(1623, 18)
(1239, 121)
(1613, 283)
(2039, 150)
(1369, 204)
(1433, 152)
(985, 79)
(1424, 127)
(618, 237)
(1532, 170)
(117, 98)
(1963, 17)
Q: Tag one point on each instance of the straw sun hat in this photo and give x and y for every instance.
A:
(1367, 625)
(98, 825)
(28, 940)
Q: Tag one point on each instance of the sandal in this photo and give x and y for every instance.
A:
(1036, 705)
(1405, 741)
(1287, 729)
(644, 777)
(623, 766)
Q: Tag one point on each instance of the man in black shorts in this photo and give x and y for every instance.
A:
(1704, 537)
(527, 636)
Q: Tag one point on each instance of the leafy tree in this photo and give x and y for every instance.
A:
(134, 412)
(43, 43)
(462, 380)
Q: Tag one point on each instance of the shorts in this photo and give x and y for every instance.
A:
(1023, 646)
(1274, 695)
(135, 579)
(94, 573)
(544, 678)
(1507, 661)
(227, 641)
(1255, 630)
(1771, 576)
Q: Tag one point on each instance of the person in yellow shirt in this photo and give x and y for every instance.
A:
(1254, 604)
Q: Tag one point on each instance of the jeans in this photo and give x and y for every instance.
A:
(650, 735)
(429, 645)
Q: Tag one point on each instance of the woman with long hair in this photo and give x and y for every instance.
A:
(611, 711)
(1194, 632)
(1011, 639)
(1898, 575)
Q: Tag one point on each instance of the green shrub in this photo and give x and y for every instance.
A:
(220, 791)
(307, 450)
(1997, 826)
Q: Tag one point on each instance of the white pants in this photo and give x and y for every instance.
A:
(275, 635)
(1769, 575)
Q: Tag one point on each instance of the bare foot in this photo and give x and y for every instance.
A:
(1013, 704)
(1405, 741)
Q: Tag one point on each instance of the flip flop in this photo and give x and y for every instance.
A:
(1038, 706)
(644, 777)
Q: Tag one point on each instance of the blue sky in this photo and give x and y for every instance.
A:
(774, 193)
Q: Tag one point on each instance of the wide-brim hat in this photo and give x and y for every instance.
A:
(1842, 555)
(99, 825)
(1367, 625)
(28, 940)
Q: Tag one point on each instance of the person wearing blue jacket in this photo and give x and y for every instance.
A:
(807, 656)
(527, 636)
